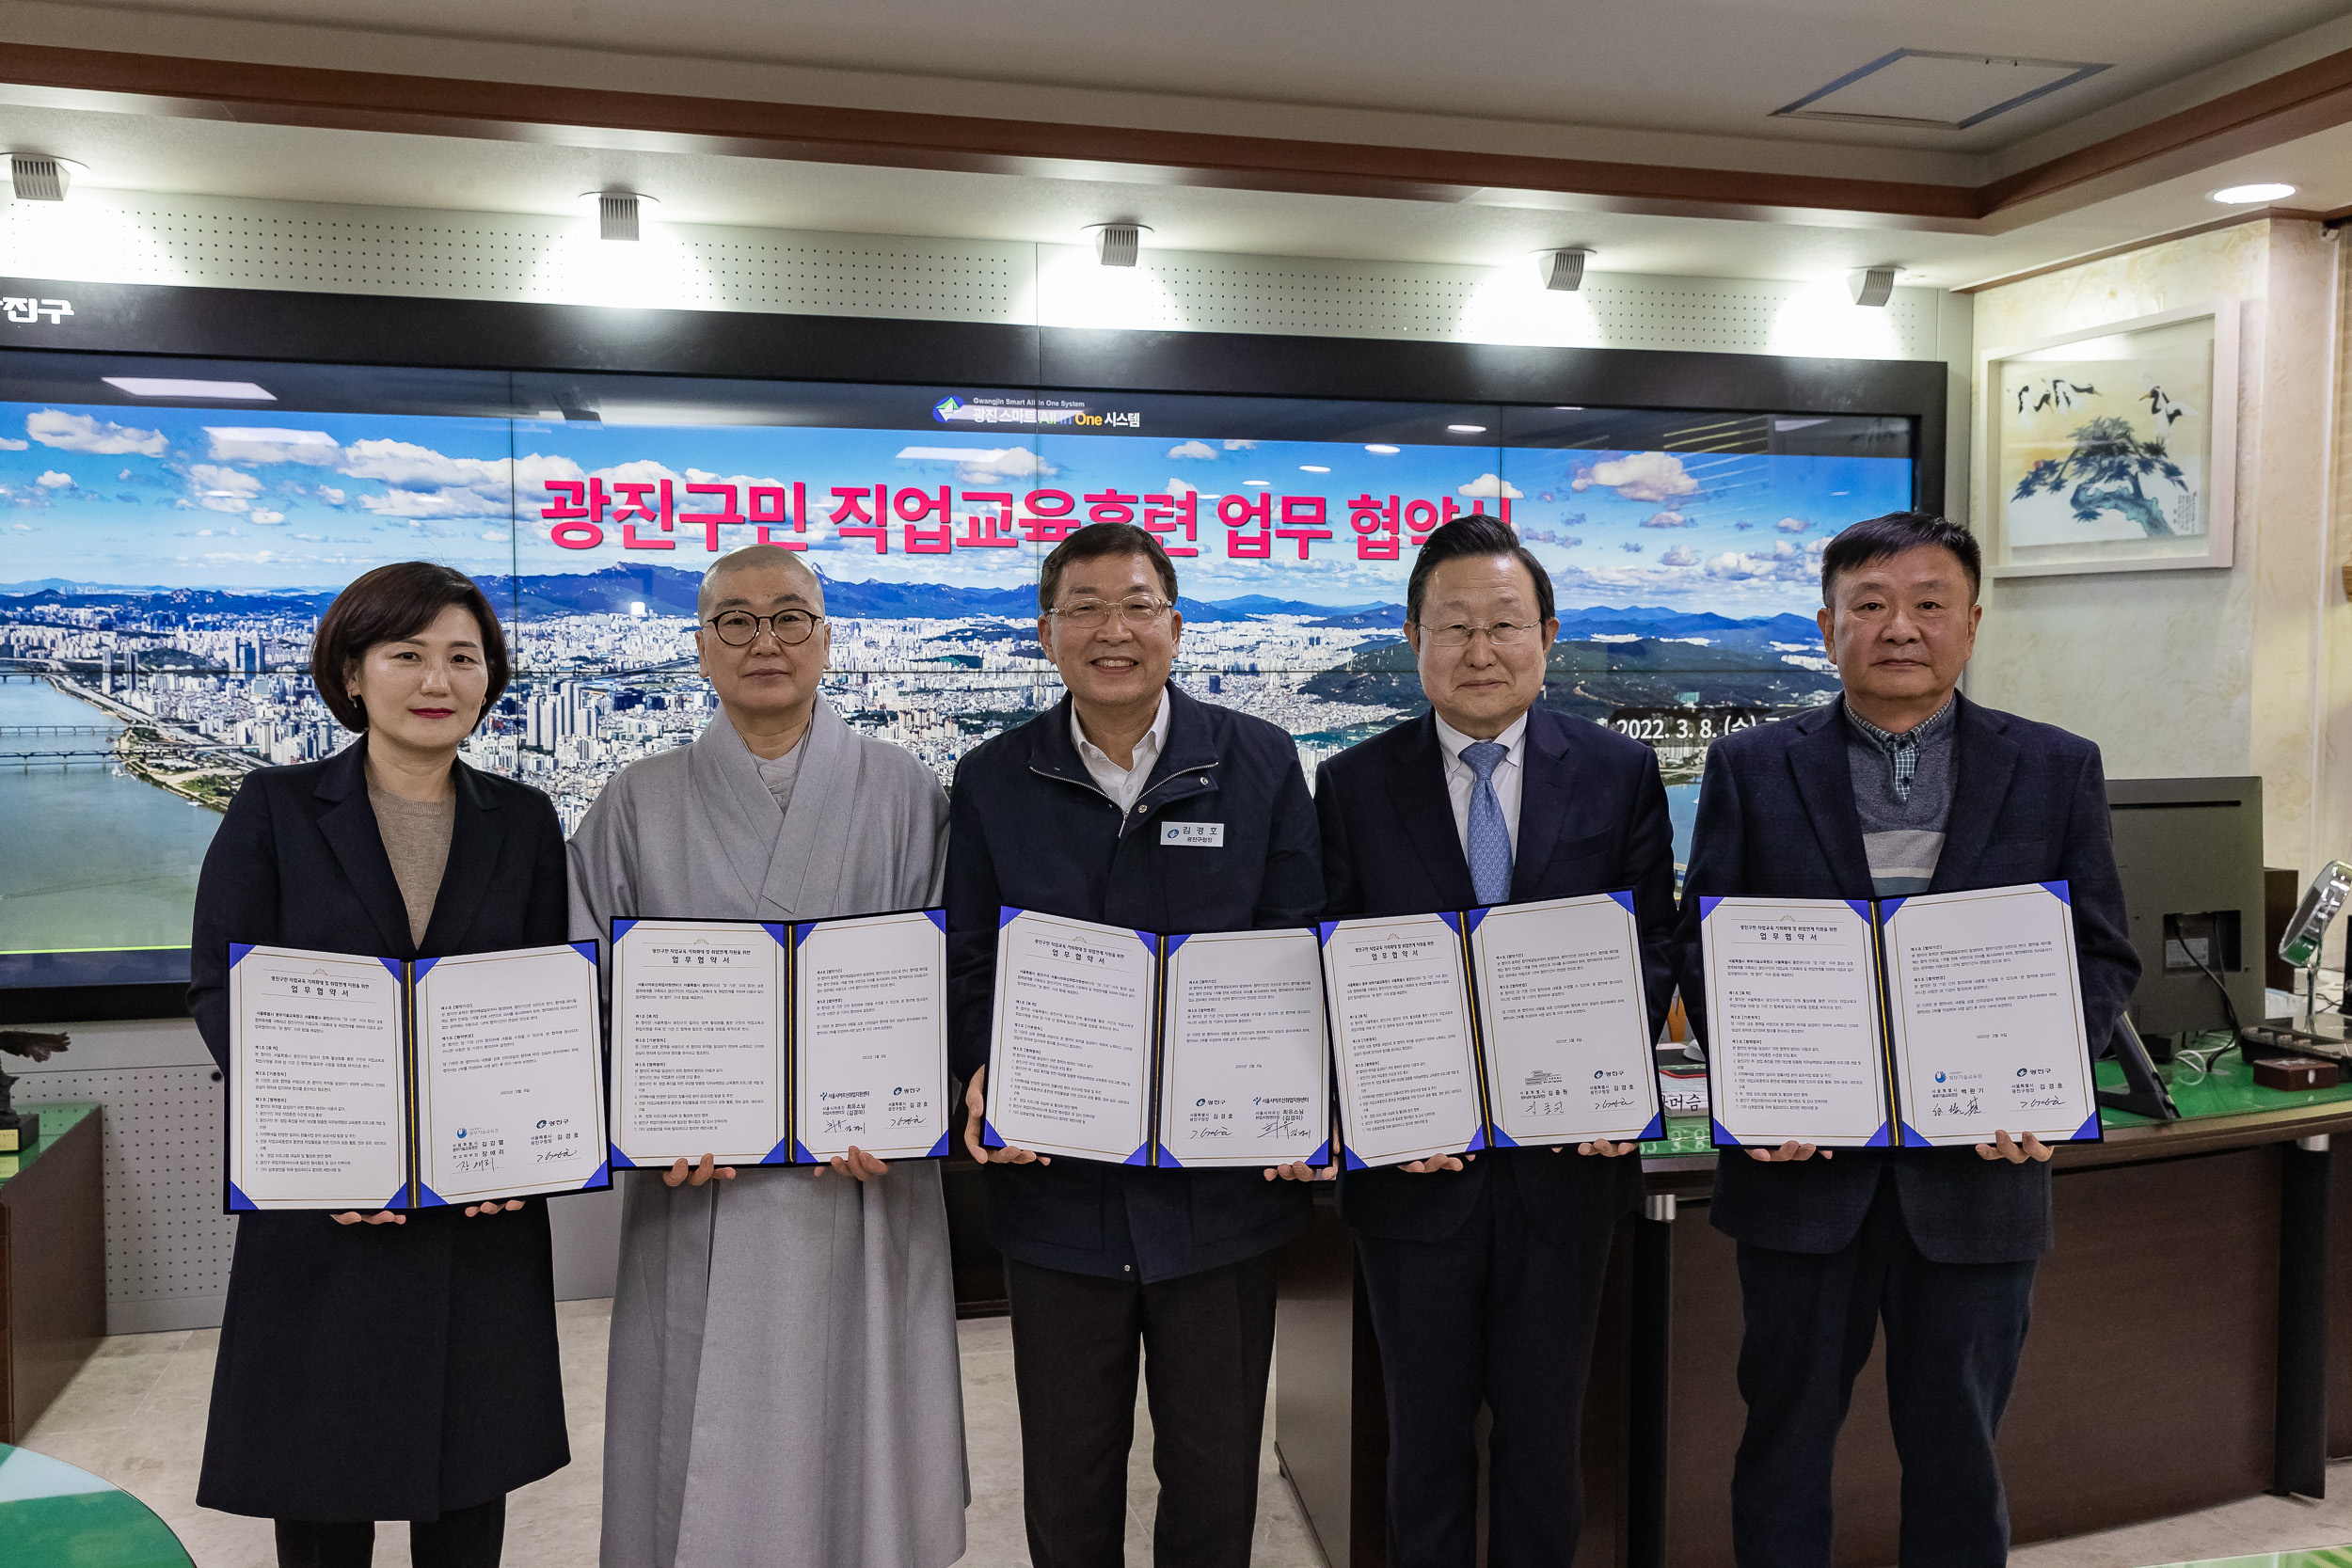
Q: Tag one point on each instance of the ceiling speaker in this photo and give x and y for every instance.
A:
(1116, 244)
(1872, 286)
(616, 215)
(1561, 269)
(37, 177)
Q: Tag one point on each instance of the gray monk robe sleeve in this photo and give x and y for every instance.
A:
(783, 1386)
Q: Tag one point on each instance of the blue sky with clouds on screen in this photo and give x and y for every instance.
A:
(176, 497)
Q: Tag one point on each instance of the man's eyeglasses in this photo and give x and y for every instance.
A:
(739, 629)
(1457, 634)
(1141, 609)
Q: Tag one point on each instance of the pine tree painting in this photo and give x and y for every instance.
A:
(2109, 470)
(2107, 440)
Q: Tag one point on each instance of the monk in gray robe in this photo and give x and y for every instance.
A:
(783, 1387)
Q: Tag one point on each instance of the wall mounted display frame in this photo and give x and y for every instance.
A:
(1678, 500)
(2112, 448)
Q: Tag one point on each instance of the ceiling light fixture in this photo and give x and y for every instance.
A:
(38, 177)
(1383, 449)
(1312, 468)
(1871, 287)
(2234, 196)
(229, 391)
(617, 212)
(1118, 245)
(1562, 269)
(1467, 429)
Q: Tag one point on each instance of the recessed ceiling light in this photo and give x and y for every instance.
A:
(1312, 468)
(1383, 449)
(147, 387)
(1261, 483)
(1467, 429)
(2236, 195)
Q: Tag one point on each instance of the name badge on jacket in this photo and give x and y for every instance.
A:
(1197, 835)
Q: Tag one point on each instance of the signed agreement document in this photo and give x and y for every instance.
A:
(699, 1024)
(1563, 1022)
(1145, 1048)
(775, 1043)
(510, 1074)
(1400, 1030)
(1490, 1028)
(1795, 1048)
(1988, 1021)
(869, 1037)
(1933, 1020)
(1245, 1069)
(365, 1084)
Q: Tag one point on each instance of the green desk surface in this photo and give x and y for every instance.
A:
(56, 1120)
(2229, 1091)
(55, 1516)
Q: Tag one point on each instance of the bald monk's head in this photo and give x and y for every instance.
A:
(773, 558)
(763, 643)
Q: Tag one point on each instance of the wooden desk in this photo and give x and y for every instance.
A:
(2182, 1352)
(52, 1264)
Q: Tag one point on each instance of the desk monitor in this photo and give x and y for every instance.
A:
(2190, 852)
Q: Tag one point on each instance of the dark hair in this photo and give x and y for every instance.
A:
(1095, 541)
(1857, 545)
(385, 606)
(1476, 534)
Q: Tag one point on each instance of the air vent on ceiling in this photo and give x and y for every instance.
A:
(37, 178)
(1937, 90)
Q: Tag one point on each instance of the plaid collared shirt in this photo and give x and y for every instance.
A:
(1902, 750)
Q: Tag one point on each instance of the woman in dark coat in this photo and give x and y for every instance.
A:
(386, 1366)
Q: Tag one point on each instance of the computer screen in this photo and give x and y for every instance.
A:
(2190, 855)
(174, 529)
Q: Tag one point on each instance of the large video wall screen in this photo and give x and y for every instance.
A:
(173, 537)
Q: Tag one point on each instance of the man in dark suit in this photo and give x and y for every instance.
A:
(1074, 814)
(1485, 1271)
(1903, 787)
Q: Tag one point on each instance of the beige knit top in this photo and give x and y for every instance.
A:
(416, 840)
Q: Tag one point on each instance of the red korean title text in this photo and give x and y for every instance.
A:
(1257, 526)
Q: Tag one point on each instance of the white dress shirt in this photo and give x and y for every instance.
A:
(1461, 780)
(1123, 785)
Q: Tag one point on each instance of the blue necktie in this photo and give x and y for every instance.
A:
(1489, 836)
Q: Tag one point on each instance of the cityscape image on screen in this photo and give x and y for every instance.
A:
(167, 561)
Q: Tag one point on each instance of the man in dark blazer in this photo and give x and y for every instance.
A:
(1069, 815)
(1483, 1273)
(1902, 786)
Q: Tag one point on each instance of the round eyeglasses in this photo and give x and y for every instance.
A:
(739, 629)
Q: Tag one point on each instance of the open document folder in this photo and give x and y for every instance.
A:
(775, 1043)
(369, 1082)
(1144, 1047)
(1928, 1020)
(1490, 1028)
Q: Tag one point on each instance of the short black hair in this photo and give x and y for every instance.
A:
(1876, 538)
(1095, 541)
(386, 605)
(1476, 534)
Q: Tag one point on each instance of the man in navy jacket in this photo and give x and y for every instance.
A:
(1068, 814)
(1903, 787)
(1483, 1273)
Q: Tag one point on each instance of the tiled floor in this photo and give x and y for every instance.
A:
(135, 1415)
